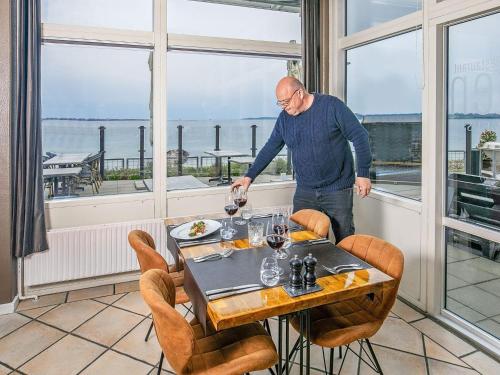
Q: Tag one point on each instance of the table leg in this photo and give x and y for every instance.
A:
(280, 346)
(308, 342)
(287, 344)
(301, 340)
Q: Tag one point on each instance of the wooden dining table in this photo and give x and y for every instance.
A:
(270, 302)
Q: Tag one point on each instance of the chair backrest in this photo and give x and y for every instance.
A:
(383, 256)
(145, 248)
(174, 333)
(313, 220)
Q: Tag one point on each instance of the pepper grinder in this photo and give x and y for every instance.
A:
(310, 275)
(295, 272)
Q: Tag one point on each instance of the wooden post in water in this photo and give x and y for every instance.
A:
(141, 150)
(218, 165)
(101, 150)
(254, 140)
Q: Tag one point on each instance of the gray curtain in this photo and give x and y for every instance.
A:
(28, 216)
(311, 44)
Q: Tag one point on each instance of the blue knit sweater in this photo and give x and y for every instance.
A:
(318, 140)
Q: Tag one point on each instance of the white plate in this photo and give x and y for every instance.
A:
(182, 231)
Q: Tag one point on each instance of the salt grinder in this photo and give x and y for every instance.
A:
(310, 275)
(295, 272)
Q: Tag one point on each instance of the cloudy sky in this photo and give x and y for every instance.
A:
(383, 77)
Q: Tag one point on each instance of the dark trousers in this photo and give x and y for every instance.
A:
(336, 204)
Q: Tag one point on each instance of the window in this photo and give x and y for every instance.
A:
(119, 14)
(363, 14)
(385, 93)
(473, 136)
(262, 20)
(94, 94)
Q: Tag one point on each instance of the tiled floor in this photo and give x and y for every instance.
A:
(473, 288)
(103, 333)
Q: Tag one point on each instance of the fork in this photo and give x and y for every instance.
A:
(341, 267)
(214, 256)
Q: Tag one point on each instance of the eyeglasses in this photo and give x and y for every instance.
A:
(284, 103)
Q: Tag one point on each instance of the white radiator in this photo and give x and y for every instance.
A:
(91, 251)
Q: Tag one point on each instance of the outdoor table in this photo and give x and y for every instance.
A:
(67, 159)
(67, 175)
(224, 154)
(243, 267)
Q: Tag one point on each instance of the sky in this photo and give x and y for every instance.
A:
(382, 77)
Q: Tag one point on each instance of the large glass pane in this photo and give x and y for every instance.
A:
(473, 280)
(232, 96)
(257, 20)
(363, 14)
(96, 123)
(120, 14)
(385, 93)
(474, 122)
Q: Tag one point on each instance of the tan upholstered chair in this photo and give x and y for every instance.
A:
(312, 220)
(359, 318)
(186, 346)
(149, 258)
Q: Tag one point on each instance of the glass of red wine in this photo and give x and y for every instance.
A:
(240, 199)
(231, 208)
(276, 241)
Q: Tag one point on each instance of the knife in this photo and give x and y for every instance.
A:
(234, 293)
(198, 242)
(230, 289)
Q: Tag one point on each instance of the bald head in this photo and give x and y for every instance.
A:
(288, 85)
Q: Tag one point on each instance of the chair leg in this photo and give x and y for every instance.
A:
(340, 351)
(267, 327)
(161, 363)
(379, 370)
(330, 370)
(149, 332)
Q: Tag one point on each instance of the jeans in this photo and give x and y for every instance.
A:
(337, 205)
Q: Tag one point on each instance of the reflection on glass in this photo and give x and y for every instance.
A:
(269, 20)
(474, 122)
(98, 99)
(385, 94)
(473, 280)
(221, 102)
(363, 14)
(120, 14)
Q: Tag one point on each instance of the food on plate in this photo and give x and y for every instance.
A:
(198, 227)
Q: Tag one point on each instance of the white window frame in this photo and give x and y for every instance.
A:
(434, 18)
(160, 42)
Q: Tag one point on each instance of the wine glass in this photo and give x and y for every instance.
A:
(269, 274)
(240, 199)
(275, 241)
(231, 208)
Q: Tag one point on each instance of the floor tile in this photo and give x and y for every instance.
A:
(11, 322)
(134, 345)
(453, 282)
(35, 313)
(109, 300)
(392, 362)
(443, 337)
(4, 370)
(492, 286)
(396, 333)
(26, 342)
(109, 326)
(133, 302)
(70, 315)
(463, 311)
(477, 299)
(496, 318)
(482, 363)
(68, 356)
(469, 273)
(441, 368)
(130, 286)
(42, 301)
(485, 265)
(98, 291)
(113, 363)
(460, 254)
(436, 351)
(406, 312)
(490, 326)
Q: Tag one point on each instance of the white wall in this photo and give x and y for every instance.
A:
(397, 221)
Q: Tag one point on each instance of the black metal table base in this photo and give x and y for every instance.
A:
(285, 364)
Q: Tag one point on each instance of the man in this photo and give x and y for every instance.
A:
(316, 129)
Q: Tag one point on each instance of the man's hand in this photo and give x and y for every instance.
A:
(363, 186)
(243, 181)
